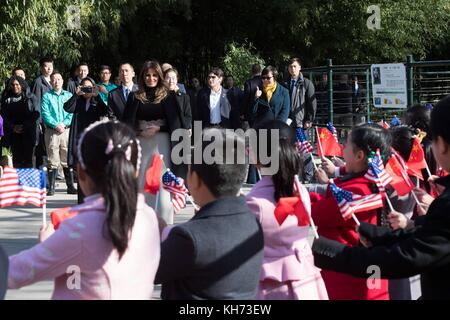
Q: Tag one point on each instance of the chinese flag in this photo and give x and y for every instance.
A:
(291, 206)
(59, 215)
(153, 175)
(416, 161)
(400, 180)
(328, 141)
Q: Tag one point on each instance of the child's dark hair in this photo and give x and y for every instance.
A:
(290, 162)
(109, 153)
(222, 179)
(369, 137)
(440, 119)
(419, 117)
(402, 140)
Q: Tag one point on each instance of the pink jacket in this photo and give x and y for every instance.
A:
(79, 244)
(287, 253)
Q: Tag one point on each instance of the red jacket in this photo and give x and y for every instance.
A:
(326, 215)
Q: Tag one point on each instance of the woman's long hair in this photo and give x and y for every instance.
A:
(162, 89)
(290, 162)
(114, 173)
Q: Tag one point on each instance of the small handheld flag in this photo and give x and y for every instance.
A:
(178, 191)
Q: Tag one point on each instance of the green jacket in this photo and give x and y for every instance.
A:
(52, 109)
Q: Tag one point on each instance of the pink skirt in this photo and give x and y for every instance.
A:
(311, 288)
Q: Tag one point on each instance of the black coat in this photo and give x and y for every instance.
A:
(117, 103)
(81, 120)
(204, 114)
(184, 109)
(216, 255)
(304, 102)
(170, 108)
(424, 250)
(248, 100)
(31, 124)
(40, 87)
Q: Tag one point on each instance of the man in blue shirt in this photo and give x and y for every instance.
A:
(57, 123)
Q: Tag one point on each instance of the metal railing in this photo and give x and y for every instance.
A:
(426, 82)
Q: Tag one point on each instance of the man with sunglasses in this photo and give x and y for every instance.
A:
(217, 106)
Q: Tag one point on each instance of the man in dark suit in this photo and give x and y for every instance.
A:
(217, 106)
(302, 94)
(117, 98)
(41, 86)
(218, 253)
(250, 87)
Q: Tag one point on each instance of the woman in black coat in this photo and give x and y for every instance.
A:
(153, 112)
(183, 105)
(87, 108)
(424, 250)
(20, 113)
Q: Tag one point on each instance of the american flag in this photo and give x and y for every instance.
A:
(350, 203)
(303, 145)
(377, 173)
(333, 131)
(22, 186)
(175, 185)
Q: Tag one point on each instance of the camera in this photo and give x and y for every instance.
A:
(87, 89)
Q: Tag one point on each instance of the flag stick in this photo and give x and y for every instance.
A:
(417, 200)
(389, 203)
(196, 207)
(159, 191)
(259, 173)
(320, 143)
(312, 159)
(44, 206)
(313, 225)
(356, 219)
(428, 169)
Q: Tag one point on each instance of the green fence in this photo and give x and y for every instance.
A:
(427, 82)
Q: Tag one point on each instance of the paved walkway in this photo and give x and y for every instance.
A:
(19, 228)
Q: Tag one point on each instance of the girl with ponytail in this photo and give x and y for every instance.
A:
(288, 270)
(113, 241)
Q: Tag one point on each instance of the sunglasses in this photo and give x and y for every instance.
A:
(266, 78)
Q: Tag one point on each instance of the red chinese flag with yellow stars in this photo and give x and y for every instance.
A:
(416, 161)
(328, 145)
(400, 180)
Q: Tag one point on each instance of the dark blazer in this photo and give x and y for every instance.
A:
(4, 262)
(424, 250)
(184, 108)
(72, 84)
(228, 97)
(216, 255)
(277, 109)
(81, 120)
(40, 87)
(304, 102)
(117, 102)
(248, 100)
